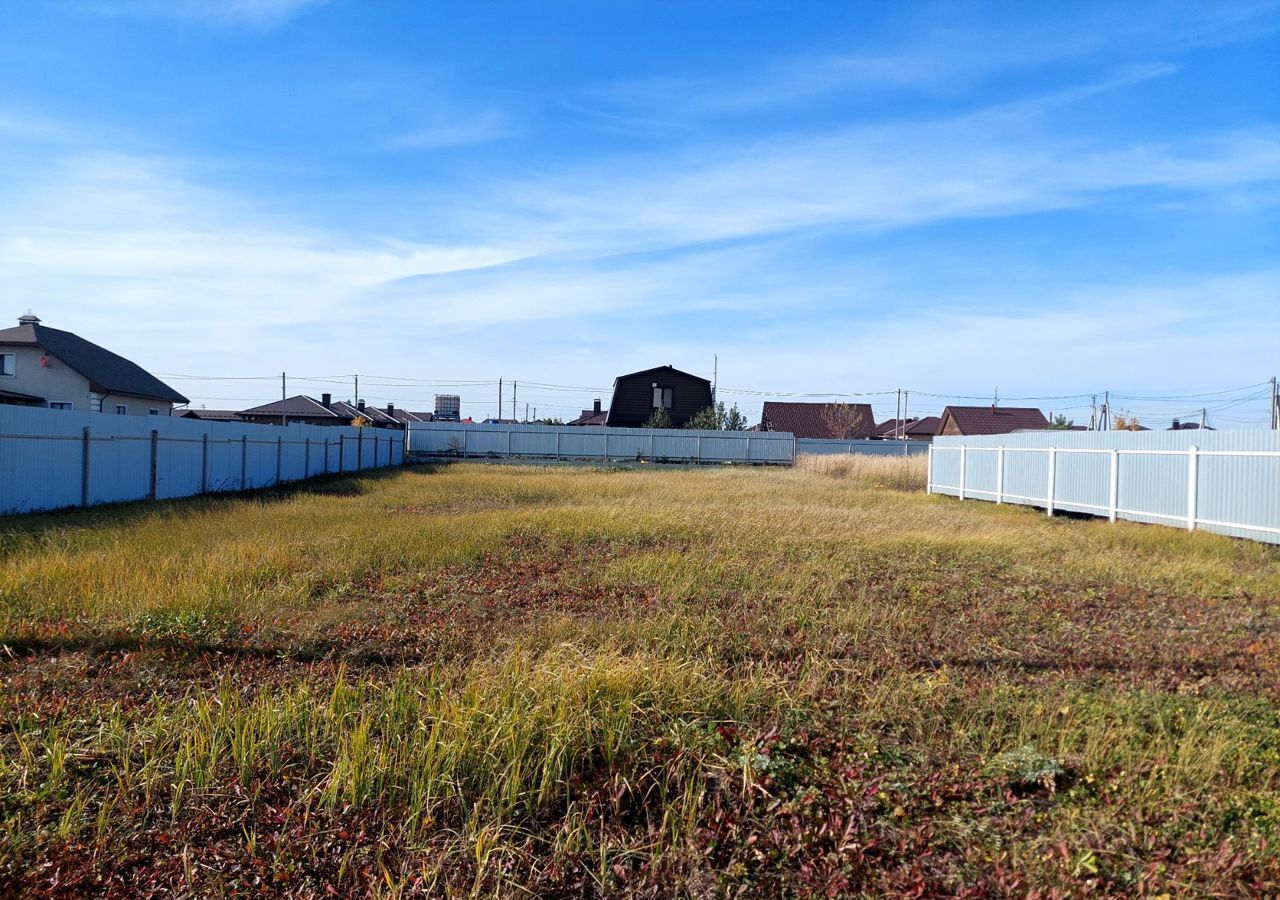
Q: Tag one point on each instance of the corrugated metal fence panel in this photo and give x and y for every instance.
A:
(572, 442)
(43, 463)
(1236, 475)
(822, 446)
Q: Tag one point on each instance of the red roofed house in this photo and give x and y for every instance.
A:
(916, 429)
(977, 420)
(845, 421)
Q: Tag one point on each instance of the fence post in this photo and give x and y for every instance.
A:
(464, 443)
(204, 463)
(928, 470)
(342, 452)
(1000, 474)
(359, 449)
(326, 454)
(306, 457)
(279, 456)
(557, 443)
(962, 461)
(1053, 460)
(748, 459)
(155, 441)
(1113, 504)
(84, 467)
(509, 453)
(244, 461)
(1193, 484)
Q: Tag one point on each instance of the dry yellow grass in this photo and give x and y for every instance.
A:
(584, 681)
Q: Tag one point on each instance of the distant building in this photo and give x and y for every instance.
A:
(923, 428)
(636, 397)
(43, 366)
(846, 421)
(593, 416)
(1189, 426)
(977, 420)
(210, 415)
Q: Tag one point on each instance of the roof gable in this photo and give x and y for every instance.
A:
(815, 420)
(660, 370)
(974, 420)
(106, 370)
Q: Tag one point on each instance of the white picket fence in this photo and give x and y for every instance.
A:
(52, 458)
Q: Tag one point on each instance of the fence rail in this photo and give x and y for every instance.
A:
(1227, 482)
(822, 446)
(594, 443)
(51, 459)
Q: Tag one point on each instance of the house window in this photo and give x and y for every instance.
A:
(61, 404)
(121, 409)
(153, 412)
(8, 365)
(662, 397)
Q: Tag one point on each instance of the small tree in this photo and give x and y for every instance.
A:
(718, 418)
(1129, 423)
(844, 420)
(1061, 423)
(659, 419)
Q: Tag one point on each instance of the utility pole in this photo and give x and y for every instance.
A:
(1275, 405)
(715, 376)
(897, 414)
(526, 414)
(1106, 411)
(1093, 413)
(906, 401)
(1203, 418)
(284, 417)
(499, 399)
(355, 401)
(514, 384)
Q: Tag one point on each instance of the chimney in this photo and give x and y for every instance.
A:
(1176, 425)
(595, 407)
(391, 410)
(360, 405)
(325, 400)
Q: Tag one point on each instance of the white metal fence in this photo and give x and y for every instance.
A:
(823, 446)
(571, 442)
(1224, 481)
(58, 458)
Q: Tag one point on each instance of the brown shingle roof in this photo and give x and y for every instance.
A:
(814, 420)
(299, 407)
(928, 425)
(970, 420)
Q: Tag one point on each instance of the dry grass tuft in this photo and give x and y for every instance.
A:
(903, 473)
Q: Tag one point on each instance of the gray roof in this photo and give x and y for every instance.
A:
(107, 372)
(300, 406)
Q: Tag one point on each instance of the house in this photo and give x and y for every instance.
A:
(636, 397)
(975, 420)
(210, 415)
(846, 421)
(43, 366)
(1189, 426)
(923, 428)
(593, 416)
(301, 408)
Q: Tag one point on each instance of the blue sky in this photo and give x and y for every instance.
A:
(834, 198)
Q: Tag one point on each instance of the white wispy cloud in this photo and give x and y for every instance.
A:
(253, 13)
(454, 131)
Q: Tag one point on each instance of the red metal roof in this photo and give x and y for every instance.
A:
(993, 419)
(814, 420)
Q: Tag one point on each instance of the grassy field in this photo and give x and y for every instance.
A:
(533, 681)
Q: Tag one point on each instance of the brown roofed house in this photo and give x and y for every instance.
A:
(923, 428)
(638, 396)
(593, 416)
(301, 408)
(845, 421)
(992, 419)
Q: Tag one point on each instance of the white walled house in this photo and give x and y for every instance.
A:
(42, 366)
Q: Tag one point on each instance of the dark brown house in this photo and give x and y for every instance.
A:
(917, 429)
(971, 420)
(636, 397)
(846, 421)
(593, 416)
